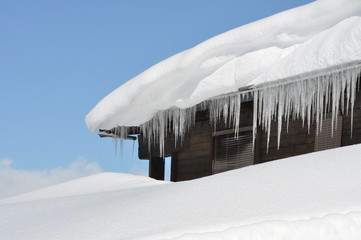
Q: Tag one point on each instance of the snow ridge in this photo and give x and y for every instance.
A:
(311, 196)
(331, 227)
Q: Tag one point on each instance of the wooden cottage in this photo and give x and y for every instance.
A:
(207, 150)
(283, 86)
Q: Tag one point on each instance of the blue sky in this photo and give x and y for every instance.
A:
(59, 58)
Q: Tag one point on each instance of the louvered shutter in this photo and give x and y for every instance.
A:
(230, 152)
(324, 140)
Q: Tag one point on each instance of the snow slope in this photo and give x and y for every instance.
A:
(313, 196)
(102, 182)
(318, 37)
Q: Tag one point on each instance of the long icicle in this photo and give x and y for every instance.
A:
(308, 99)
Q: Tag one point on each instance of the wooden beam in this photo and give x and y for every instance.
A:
(229, 131)
(156, 168)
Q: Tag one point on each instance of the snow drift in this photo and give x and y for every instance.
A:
(306, 42)
(313, 196)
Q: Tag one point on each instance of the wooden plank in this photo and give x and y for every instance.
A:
(201, 164)
(274, 153)
(325, 140)
(231, 131)
(304, 148)
(174, 167)
(156, 168)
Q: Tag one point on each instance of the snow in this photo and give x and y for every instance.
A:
(15, 181)
(312, 196)
(300, 43)
(102, 182)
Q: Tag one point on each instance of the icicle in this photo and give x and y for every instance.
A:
(237, 114)
(255, 109)
(281, 102)
(353, 76)
(308, 99)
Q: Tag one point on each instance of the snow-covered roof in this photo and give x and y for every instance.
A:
(315, 38)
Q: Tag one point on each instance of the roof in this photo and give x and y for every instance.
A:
(314, 39)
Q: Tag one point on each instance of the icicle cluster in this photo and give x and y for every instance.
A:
(179, 120)
(308, 99)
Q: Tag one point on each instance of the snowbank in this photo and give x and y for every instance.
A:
(102, 182)
(313, 196)
(318, 37)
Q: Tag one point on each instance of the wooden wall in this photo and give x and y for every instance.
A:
(298, 140)
(356, 130)
(193, 159)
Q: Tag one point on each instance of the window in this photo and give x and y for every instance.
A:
(230, 152)
(324, 140)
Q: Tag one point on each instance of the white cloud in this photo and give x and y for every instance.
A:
(5, 163)
(15, 181)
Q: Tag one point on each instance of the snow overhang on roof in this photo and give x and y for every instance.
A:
(318, 41)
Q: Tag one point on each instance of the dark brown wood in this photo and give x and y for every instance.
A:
(156, 168)
(257, 147)
(174, 168)
(355, 138)
(202, 115)
(298, 140)
(170, 146)
(193, 157)
(231, 151)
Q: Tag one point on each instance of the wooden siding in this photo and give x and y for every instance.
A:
(356, 129)
(298, 140)
(326, 138)
(156, 168)
(193, 158)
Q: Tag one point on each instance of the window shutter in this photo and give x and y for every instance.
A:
(230, 152)
(324, 139)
